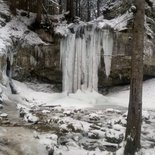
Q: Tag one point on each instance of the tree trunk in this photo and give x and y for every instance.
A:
(70, 8)
(134, 120)
(88, 10)
(98, 8)
(79, 8)
(39, 12)
(60, 6)
(76, 2)
(13, 7)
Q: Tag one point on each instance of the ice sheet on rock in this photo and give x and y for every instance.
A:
(119, 23)
(17, 29)
(80, 57)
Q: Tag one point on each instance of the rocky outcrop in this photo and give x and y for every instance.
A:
(43, 61)
(38, 61)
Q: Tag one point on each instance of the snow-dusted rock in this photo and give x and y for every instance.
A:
(93, 135)
(4, 115)
(113, 136)
(145, 115)
(31, 118)
(45, 111)
(1, 106)
(110, 110)
(68, 113)
(94, 116)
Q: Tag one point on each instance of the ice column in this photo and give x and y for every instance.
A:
(80, 58)
(107, 41)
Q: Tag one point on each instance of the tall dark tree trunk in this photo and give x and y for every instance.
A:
(70, 8)
(77, 12)
(39, 12)
(13, 6)
(134, 120)
(60, 6)
(79, 4)
(88, 10)
(98, 8)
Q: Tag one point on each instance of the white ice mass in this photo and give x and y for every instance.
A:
(81, 53)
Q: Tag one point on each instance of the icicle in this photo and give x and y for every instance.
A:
(67, 58)
(108, 49)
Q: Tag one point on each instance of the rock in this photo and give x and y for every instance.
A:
(7, 122)
(51, 152)
(36, 136)
(1, 100)
(45, 111)
(68, 113)
(4, 141)
(93, 135)
(94, 116)
(22, 113)
(113, 136)
(108, 147)
(47, 56)
(110, 110)
(31, 118)
(145, 115)
(1, 106)
(95, 126)
(91, 146)
(63, 140)
(64, 129)
(4, 115)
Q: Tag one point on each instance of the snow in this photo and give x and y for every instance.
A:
(119, 23)
(83, 99)
(3, 115)
(122, 97)
(17, 29)
(4, 8)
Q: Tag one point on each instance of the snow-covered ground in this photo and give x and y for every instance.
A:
(85, 122)
(82, 99)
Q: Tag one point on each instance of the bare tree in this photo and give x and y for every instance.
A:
(88, 10)
(134, 120)
(39, 12)
(13, 6)
(70, 8)
(98, 8)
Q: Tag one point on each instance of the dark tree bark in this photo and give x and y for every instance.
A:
(70, 8)
(39, 12)
(134, 120)
(60, 6)
(77, 7)
(98, 8)
(13, 7)
(79, 4)
(88, 10)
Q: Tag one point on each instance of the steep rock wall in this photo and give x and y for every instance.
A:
(43, 61)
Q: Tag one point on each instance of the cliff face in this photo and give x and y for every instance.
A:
(43, 61)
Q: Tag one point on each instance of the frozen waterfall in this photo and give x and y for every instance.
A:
(80, 58)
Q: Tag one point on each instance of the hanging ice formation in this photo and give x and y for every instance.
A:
(80, 57)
